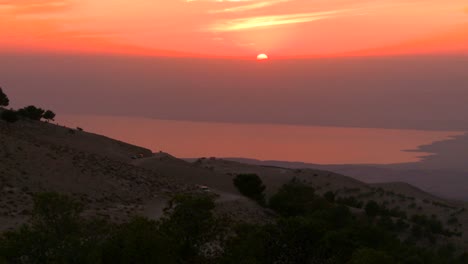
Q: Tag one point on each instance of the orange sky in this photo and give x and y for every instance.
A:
(242, 28)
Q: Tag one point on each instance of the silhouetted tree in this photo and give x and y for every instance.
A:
(56, 234)
(251, 186)
(48, 115)
(297, 199)
(372, 209)
(10, 116)
(330, 196)
(4, 101)
(31, 112)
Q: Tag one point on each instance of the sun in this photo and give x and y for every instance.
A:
(262, 56)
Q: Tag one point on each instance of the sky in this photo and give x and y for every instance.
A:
(235, 28)
(391, 64)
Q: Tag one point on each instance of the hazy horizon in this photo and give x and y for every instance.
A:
(426, 93)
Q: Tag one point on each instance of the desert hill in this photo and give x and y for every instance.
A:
(447, 183)
(100, 172)
(38, 157)
(397, 196)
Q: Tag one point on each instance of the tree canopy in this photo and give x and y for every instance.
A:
(4, 101)
(251, 186)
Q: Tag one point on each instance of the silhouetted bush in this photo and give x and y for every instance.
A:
(329, 196)
(31, 112)
(372, 209)
(48, 115)
(10, 116)
(251, 186)
(295, 199)
(4, 101)
(189, 232)
(56, 234)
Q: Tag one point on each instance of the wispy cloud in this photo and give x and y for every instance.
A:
(274, 20)
(220, 1)
(252, 6)
(34, 6)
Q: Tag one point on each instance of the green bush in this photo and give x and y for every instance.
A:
(296, 199)
(56, 234)
(312, 230)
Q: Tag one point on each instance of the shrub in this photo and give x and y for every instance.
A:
(4, 101)
(31, 112)
(56, 234)
(10, 116)
(49, 115)
(296, 199)
(329, 196)
(372, 209)
(251, 186)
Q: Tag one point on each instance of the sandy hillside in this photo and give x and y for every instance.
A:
(38, 157)
(398, 196)
(99, 171)
(91, 168)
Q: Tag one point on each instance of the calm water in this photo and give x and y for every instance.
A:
(323, 145)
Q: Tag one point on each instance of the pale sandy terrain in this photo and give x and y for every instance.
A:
(38, 157)
(393, 195)
(98, 171)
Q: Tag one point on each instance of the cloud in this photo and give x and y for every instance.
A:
(252, 6)
(219, 1)
(269, 21)
(34, 6)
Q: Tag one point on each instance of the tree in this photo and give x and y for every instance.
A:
(251, 186)
(138, 241)
(31, 112)
(56, 234)
(189, 226)
(297, 199)
(329, 196)
(372, 209)
(48, 115)
(4, 101)
(10, 116)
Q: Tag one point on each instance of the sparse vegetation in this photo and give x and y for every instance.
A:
(310, 230)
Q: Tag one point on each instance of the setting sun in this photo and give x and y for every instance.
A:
(262, 56)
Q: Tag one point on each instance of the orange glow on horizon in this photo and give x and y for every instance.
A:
(287, 28)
